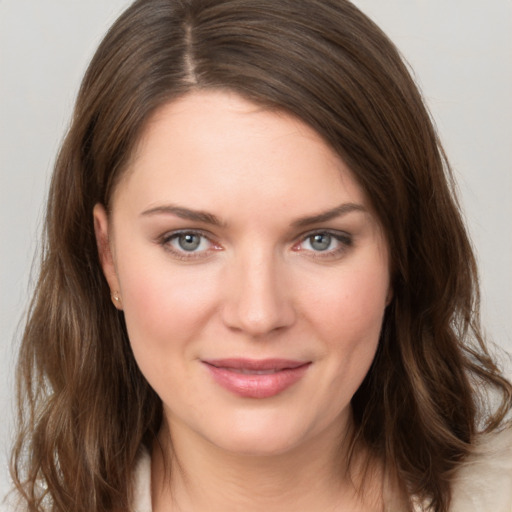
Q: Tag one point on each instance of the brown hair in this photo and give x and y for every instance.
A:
(85, 409)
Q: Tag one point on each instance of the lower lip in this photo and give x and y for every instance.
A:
(257, 385)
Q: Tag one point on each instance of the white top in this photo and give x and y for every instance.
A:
(482, 484)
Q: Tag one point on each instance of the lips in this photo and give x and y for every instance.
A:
(251, 378)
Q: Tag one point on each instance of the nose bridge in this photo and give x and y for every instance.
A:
(258, 301)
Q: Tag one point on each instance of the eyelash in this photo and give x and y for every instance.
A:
(344, 240)
(167, 239)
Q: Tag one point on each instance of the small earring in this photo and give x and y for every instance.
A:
(116, 299)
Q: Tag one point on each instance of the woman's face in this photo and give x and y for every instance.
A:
(252, 274)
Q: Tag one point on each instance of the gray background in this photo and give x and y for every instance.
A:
(460, 50)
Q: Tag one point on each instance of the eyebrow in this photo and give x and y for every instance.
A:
(185, 213)
(209, 218)
(339, 211)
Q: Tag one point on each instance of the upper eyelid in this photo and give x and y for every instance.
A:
(332, 232)
(176, 232)
(165, 241)
(336, 233)
(209, 235)
(167, 238)
(344, 239)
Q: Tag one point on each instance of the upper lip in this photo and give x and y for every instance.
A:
(255, 364)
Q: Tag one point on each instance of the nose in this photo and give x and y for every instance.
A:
(258, 301)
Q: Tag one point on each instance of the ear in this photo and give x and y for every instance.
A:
(101, 230)
(391, 293)
(389, 296)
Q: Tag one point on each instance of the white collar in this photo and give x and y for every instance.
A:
(142, 483)
(482, 484)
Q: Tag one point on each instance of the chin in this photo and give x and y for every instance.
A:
(264, 434)
(261, 445)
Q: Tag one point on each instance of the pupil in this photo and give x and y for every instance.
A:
(189, 242)
(321, 242)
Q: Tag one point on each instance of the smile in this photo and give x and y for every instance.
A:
(250, 378)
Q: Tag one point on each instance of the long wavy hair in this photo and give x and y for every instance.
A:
(84, 407)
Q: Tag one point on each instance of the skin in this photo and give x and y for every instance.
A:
(257, 286)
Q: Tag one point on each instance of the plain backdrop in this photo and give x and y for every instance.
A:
(461, 53)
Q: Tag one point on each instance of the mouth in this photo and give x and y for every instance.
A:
(252, 378)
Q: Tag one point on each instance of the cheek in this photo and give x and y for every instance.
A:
(348, 314)
(163, 306)
(165, 312)
(350, 307)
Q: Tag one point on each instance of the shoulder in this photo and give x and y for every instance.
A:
(142, 483)
(141, 499)
(484, 481)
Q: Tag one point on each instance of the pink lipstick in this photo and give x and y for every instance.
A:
(256, 378)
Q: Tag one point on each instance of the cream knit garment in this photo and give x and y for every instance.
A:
(482, 484)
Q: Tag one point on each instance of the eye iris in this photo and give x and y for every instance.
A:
(321, 241)
(189, 241)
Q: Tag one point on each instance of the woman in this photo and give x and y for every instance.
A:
(256, 290)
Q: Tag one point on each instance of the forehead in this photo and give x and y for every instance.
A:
(216, 144)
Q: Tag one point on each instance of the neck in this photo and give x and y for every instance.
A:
(191, 474)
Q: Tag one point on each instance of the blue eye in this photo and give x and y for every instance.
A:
(325, 243)
(320, 241)
(189, 245)
(187, 242)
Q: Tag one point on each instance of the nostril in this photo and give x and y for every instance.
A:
(256, 300)
(258, 316)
